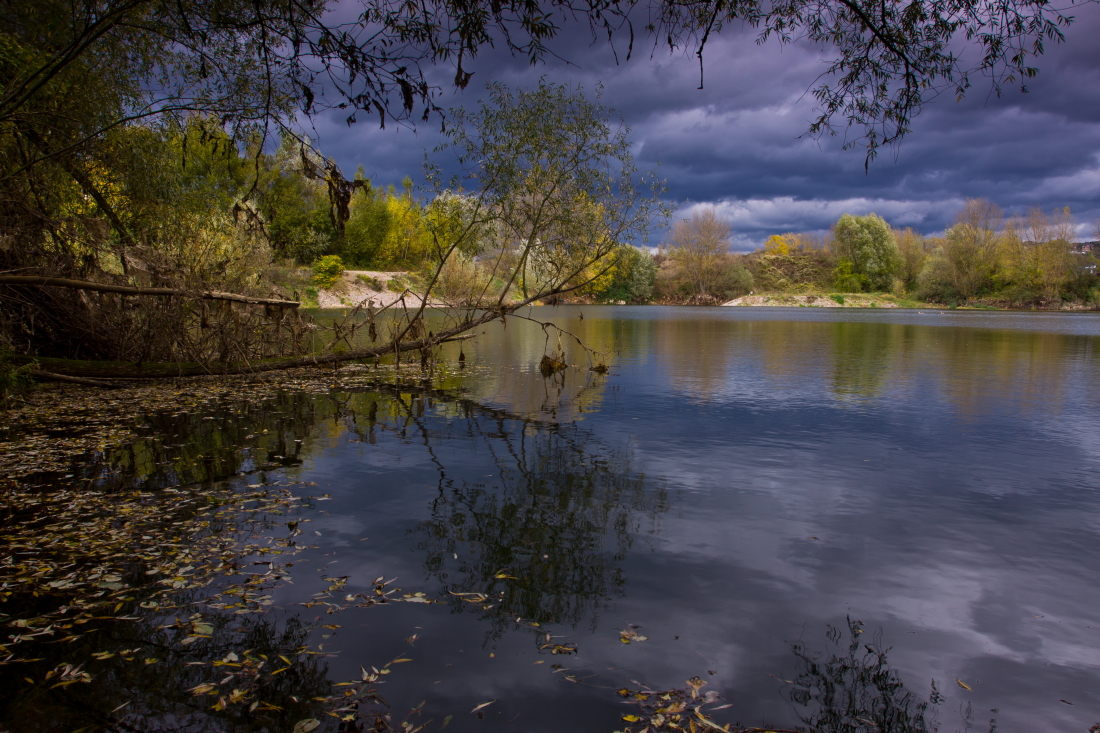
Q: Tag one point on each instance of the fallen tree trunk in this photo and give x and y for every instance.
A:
(60, 282)
(150, 370)
(90, 370)
(42, 376)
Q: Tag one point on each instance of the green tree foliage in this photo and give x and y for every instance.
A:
(367, 227)
(633, 277)
(868, 254)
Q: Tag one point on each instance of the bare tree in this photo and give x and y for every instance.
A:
(699, 248)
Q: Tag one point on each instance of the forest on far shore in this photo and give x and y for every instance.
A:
(986, 257)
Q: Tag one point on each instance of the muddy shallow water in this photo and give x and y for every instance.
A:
(748, 489)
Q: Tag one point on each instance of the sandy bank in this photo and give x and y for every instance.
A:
(366, 287)
(813, 301)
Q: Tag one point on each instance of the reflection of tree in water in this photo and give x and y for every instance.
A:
(209, 444)
(544, 537)
(854, 690)
(861, 357)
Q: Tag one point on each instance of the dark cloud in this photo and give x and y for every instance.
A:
(739, 142)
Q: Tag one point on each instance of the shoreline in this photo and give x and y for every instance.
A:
(836, 300)
(355, 287)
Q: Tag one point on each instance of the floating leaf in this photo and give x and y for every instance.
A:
(962, 684)
(483, 705)
(305, 726)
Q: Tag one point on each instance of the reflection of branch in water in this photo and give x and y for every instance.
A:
(545, 543)
(856, 691)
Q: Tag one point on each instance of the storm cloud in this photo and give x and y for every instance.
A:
(739, 143)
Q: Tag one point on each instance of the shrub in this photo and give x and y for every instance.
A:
(327, 270)
(735, 281)
(371, 282)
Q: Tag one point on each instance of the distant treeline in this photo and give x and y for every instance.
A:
(1029, 260)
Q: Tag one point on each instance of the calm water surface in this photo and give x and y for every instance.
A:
(742, 480)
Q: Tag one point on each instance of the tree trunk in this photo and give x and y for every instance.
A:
(59, 282)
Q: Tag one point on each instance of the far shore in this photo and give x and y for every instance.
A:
(817, 300)
(380, 289)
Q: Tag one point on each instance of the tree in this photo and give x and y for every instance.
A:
(965, 263)
(866, 245)
(911, 249)
(778, 244)
(556, 179)
(699, 246)
(635, 274)
(1036, 252)
(971, 247)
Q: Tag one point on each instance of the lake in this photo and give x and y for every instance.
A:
(825, 515)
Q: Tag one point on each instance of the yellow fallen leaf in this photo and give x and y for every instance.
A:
(962, 684)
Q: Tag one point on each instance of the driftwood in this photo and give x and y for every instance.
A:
(60, 282)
